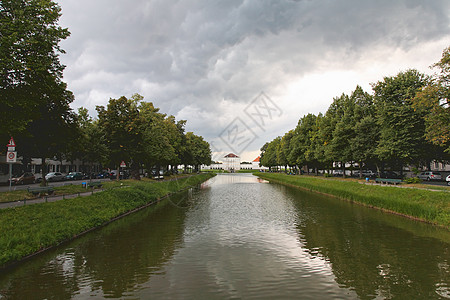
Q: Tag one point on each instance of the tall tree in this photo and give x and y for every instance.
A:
(198, 151)
(91, 144)
(30, 70)
(120, 124)
(269, 159)
(156, 144)
(434, 101)
(365, 129)
(402, 128)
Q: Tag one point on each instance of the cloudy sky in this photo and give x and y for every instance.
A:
(243, 72)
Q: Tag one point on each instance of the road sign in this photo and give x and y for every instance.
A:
(123, 164)
(11, 157)
(11, 143)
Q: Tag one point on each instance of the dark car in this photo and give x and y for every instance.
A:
(102, 175)
(74, 176)
(25, 178)
(122, 175)
(390, 174)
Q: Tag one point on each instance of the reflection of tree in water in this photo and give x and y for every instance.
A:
(373, 253)
(107, 262)
(128, 255)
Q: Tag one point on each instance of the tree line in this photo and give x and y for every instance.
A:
(405, 121)
(35, 104)
(134, 131)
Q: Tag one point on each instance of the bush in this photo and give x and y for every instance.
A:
(412, 180)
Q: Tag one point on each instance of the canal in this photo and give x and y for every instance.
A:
(238, 237)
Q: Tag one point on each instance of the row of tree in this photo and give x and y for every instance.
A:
(406, 121)
(35, 104)
(136, 132)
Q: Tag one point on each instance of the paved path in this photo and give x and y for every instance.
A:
(5, 188)
(46, 199)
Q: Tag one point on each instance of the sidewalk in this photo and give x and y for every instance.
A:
(47, 199)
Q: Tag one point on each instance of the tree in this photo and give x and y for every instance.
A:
(269, 159)
(91, 144)
(198, 151)
(285, 149)
(302, 141)
(365, 128)
(30, 71)
(120, 124)
(340, 130)
(51, 131)
(434, 102)
(156, 144)
(402, 128)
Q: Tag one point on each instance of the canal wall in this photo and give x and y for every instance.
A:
(30, 230)
(422, 205)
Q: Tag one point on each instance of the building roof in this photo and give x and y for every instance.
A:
(231, 155)
(257, 159)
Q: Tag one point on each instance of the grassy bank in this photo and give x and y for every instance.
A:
(29, 229)
(429, 206)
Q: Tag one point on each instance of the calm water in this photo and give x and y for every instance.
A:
(237, 237)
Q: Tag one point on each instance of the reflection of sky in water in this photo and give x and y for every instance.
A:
(241, 240)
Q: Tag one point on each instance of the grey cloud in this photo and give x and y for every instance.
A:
(196, 53)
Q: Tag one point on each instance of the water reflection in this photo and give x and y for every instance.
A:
(110, 262)
(373, 253)
(239, 237)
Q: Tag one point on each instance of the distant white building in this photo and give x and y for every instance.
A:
(231, 162)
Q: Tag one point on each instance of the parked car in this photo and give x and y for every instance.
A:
(365, 173)
(25, 178)
(338, 172)
(54, 176)
(122, 174)
(430, 176)
(390, 174)
(448, 179)
(157, 175)
(74, 176)
(103, 175)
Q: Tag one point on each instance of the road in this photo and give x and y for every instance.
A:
(442, 183)
(56, 183)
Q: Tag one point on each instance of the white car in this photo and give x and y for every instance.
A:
(448, 180)
(54, 176)
(430, 176)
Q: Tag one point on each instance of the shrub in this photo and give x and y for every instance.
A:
(412, 180)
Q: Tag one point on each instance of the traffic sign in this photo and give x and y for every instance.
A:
(11, 143)
(11, 157)
(123, 164)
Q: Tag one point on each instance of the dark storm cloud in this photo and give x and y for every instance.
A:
(183, 54)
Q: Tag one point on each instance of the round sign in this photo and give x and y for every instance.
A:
(11, 155)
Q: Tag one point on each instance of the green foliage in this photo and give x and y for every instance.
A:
(412, 180)
(136, 132)
(430, 206)
(28, 229)
(30, 71)
(433, 101)
(402, 128)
